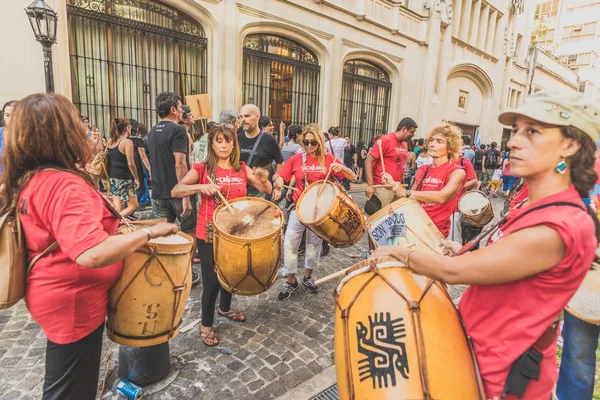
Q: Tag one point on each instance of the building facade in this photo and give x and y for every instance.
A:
(359, 64)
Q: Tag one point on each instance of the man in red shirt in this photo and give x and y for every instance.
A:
(394, 148)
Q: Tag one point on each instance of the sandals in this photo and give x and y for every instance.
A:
(232, 314)
(209, 338)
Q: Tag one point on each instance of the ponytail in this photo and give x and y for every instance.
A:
(117, 127)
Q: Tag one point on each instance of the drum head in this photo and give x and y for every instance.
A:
(312, 207)
(171, 239)
(585, 305)
(473, 203)
(250, 219)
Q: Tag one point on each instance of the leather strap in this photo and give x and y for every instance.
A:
(260, 135)
(35, 259)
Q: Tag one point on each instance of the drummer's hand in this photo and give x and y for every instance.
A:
(261, 173)
(385, 251)
(209, 189)
(288, 195)
(369, 191)
(450, 248)
(336, 167)
(276, 194)
(278, 183)
(136, 184)
(187, 207)
(162, 229)
(388, 179)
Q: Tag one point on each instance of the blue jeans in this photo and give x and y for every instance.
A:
(143, 193)
(578, 364)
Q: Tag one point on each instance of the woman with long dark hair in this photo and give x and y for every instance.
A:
(122, 170)
(538, 255)
(7, 111)
(361, 153)
(67, 290)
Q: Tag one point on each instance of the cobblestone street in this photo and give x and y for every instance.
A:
(283, 344)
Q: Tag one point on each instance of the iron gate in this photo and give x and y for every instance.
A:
(125, 52)
(282, 78)
(365, 101)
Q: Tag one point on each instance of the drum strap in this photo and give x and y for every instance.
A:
(423, 179)
(304, 165)
(260, 135)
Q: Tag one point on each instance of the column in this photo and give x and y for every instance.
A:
(360, 9)
(466, 20)
(483, 27)
(457, 18)
(474, 25)
(489, 41)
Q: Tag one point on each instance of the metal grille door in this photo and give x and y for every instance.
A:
(365, 101)
(125, 52)
(282, 78)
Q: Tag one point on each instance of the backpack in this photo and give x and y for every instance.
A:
(13, 256)
(478, 157)
(491, 159)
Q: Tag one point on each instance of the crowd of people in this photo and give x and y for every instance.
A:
(509, 306)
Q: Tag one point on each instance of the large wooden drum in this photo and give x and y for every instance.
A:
(247, 245)
(405, 222)
(398, 336)
(585, 305)
(476, 208)
(146, 303)
(333, 215)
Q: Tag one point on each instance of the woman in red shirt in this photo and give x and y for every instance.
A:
(67, 290)
(540, 254)
(437, 185)
(306, 168)
(223, 166)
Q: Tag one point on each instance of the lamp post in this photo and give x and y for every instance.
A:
(43, 22)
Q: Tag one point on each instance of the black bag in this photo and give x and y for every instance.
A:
(491, 159)
(478, 158)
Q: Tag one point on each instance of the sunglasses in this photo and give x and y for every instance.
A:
(311, 142)
(220, 124)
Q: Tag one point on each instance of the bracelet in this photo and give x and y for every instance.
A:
(407, 259)
(149, 233)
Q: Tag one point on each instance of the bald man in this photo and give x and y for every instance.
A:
(257, 148)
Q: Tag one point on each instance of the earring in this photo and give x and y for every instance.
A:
(561, 167)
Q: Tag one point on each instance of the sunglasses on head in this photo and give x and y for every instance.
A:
(220, 124)
(311, 142)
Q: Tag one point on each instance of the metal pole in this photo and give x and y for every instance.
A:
(48, 70)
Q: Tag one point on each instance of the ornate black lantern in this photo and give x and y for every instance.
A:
(43, 22)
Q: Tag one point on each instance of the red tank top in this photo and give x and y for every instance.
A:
(505, 320)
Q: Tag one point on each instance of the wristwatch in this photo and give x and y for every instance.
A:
(407, 193)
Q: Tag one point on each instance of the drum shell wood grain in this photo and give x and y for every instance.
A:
(483, 217)
(444, 362)
(247, 267)
(420, 228)
(585, 304)
(147, 302)
(344, 223)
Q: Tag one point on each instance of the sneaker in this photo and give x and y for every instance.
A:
(196, 260)
(288, 289)
(309, 283)
(195, 278)
(325, 249)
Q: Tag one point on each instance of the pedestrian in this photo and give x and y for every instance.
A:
(335, 145)
(478, 163)
(86, 124)
(7, 111)
(257, 149)
(169, 161)
(349, 159)
(201, 149)
(491, 162)
(187, 121)
(552, 148)
(293, 145)
(420, 146)
(437, 185)
(423, 158)
(495, 183)
(394, 148)
(466, 151)
(122, 171)
(508, 180)
(265, 124)
(307, 167)
(231, 176)
(141, 162)
(361, 153)
(67, 290)
(411, 164)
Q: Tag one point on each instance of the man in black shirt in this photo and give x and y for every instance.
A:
(478, 162)
(491, 161)
(168, 144)
(257, 148)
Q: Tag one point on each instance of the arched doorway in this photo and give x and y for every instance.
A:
(365, 100)
(281, 77)
(125, 52)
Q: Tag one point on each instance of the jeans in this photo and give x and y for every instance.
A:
(578, 364)
(143, 193)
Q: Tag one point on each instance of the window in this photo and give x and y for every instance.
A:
(577, 32)
(582, 86)
(547, 10)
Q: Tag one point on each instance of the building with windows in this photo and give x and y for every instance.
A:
(359, 64)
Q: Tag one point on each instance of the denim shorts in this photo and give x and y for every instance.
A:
(171, 209)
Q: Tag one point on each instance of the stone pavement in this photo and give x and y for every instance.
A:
(283, 344)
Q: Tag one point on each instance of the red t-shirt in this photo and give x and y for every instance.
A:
(395, 154)
(522, 195)
(67, 300)
(504, 320)
(434, 179)
(232, 185)
(294, 167)
(466, 164)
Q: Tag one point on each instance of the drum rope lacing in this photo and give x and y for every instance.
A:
(177, 289)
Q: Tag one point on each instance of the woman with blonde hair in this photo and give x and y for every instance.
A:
(224, 168)
(307, 167)
(437, 185)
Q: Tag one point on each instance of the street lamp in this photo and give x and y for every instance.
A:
(43, 22)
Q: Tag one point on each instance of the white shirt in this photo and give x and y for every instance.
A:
(497, 175)
(424, 161)
(338, 146)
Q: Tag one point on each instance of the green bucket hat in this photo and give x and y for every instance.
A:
(560, 109)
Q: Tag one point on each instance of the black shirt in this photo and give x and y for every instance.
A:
(479, 153)
(118, 168)
(491, 158)
(164, 139)
(349, 152)
(267, 151)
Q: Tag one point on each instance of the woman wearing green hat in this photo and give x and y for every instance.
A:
(537, 256)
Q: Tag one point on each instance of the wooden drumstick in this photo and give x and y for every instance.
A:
(343, 271)
(381, 157)
(290, 188)
(388, 186)
(223, 199)
(325, 182)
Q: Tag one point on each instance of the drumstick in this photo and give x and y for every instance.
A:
(343, 271)
(381, 157)
(388, 186)
(324, 182)
(223, 199)
(290, 187)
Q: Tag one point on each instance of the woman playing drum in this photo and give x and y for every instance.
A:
(542, 251)
(67, 289)
(437, 185)
(307, 168)
(223, 167)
